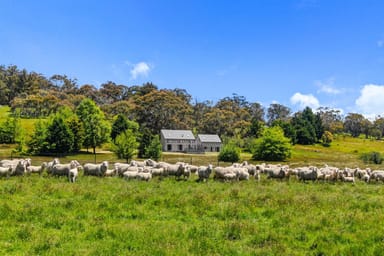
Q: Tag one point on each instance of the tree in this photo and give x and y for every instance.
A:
(163, 109)
(354, 123)
(96, 128)
(154, 149)
(126, 145)
(119, 125)
(277, 112)
(230, 152)
(272, 146)
(308, 127)
(327, 138)
(38, 142)
(59, 136)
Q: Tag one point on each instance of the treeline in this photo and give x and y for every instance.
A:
(32, 95)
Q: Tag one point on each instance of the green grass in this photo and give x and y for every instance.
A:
(49, 216)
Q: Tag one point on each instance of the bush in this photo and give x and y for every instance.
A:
(229, 153)
(272, 146)
(372, 157)
(327, 139)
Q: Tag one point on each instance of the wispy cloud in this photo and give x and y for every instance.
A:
(380, 43)
(140, 69)
(305, 100)
(370, 101)
(327, 86)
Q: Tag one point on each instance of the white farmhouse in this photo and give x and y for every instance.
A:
(177, 141)
(185, 141)
(209, 142)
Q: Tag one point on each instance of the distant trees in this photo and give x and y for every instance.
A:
(230, 152)
(125, 145)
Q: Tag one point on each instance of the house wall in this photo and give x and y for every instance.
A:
(170, 145)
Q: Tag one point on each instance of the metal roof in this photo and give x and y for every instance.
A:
(209, 138)
(177, 134)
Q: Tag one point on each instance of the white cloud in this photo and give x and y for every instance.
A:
(139, 69)
(370, 101)
(304, 100)
(327, 87)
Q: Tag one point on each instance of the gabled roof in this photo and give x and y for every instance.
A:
(177, 134)
(209, 138)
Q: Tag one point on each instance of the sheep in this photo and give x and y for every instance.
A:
(36, 169)
(51, 164)
(345, 178)
(187, 172)
(193, 168)
(18, 165)
(5, 171)
(96, 169)
(307, 174)
(220, 172)
(242, 173)
(204, 172)
(130, 175)
(110, 173)
(157, 172)
(276, 172)
(63, 169)
(377, 175)
(230, 176)
(121, 168)
(72, 174)
(145, 176)
(175, 169)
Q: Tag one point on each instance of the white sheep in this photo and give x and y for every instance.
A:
(145, 176)
(203, 172)
(96, 169)
(73, 174)
(5, 171)
(36, 169)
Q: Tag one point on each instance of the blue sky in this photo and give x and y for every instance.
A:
(293, 52)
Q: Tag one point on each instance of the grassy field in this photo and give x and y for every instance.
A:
(110, 216)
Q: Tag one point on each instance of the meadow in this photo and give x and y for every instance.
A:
(41, 215)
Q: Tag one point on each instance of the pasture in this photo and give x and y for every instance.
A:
(111, 216)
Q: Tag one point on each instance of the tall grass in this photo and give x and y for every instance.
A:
(49, 216)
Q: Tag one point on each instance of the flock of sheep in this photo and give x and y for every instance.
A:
(146, 170)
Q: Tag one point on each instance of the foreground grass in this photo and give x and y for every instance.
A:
(49, 216)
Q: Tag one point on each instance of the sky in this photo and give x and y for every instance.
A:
(316, 53)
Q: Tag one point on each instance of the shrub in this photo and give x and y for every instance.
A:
(229, 153)
(272, 146)
(327, 138)
(372, 157)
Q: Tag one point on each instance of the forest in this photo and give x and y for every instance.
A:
(146, 109)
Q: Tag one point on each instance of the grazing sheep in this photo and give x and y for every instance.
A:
(110, 173)
(307, 174)
(18, 165)
(121, 168)
(345, 178)
(145, 176)
(376, 175)
(51, 164)
(96, 169)
(175, 169)
(130, 175)
(158, 172)
(230, 176)
(219, 172)
(63, 169)
(73, 174)
(36, 169)
(5, 171)
(204, 172)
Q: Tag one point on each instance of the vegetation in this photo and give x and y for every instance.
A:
(230, 152)
(49, 216)
(272, 146)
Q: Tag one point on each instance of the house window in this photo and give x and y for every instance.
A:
(169, 147)
(180, 147)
